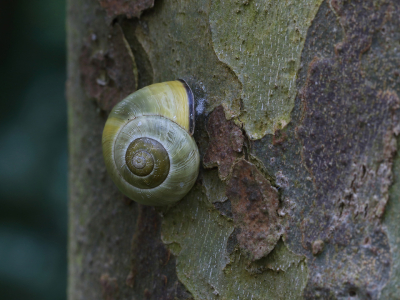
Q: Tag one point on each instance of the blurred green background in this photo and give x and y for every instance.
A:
(33, 150)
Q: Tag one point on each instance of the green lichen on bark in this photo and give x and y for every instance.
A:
(211, 269)
(177, 40)
(262, 41)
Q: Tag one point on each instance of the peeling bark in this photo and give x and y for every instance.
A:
(226, 143)
(255, 205)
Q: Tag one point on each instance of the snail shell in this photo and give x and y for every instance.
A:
(148, 146)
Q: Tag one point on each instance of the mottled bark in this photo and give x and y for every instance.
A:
(298, 114)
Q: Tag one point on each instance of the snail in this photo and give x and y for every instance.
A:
(148, 147)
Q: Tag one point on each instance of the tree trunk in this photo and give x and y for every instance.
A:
(297, 121)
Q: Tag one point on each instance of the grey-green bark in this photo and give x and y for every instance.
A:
(297, 124)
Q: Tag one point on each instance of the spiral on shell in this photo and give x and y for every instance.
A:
(148, 146)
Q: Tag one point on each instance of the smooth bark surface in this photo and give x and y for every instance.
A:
(297, 121)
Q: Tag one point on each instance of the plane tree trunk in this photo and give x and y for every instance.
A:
(297, 123)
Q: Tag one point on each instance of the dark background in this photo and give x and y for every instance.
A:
(33, 150)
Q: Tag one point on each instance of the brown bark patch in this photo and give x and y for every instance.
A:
(109, 286)
(348, 135)
(130, 9)
(254, 207)
(108, 75)
(226, 143)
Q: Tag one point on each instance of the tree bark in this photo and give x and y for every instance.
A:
(297, 122)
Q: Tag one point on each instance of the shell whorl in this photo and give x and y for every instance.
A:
(147, 144)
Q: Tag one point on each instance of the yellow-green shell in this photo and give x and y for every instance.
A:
(154, 118)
